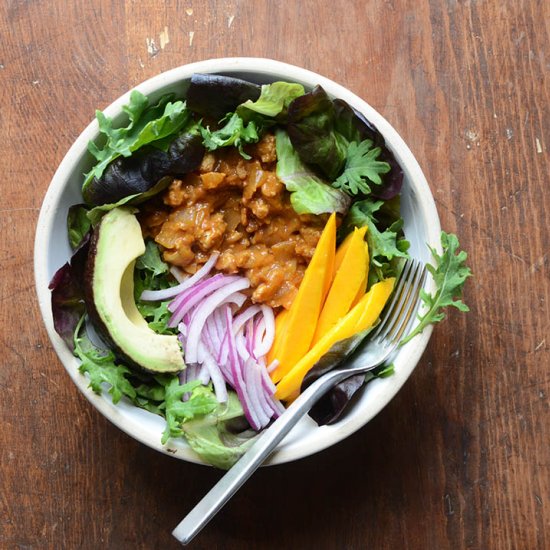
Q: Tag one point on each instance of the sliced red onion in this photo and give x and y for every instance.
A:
(199, 293)
(262, 348)
(186, 294)
(224, 350)
(183, 377)
(203, 375)
(276, 406)
(240, 341)
(154, 295)
(239, 385)
(209, 336)
(215, 373)
(267, 383)
(269, 391)
(255, 392)
(241, 319)
(250, 337)
(224, 346)
(179, 274)
(182, 327)
(205, 309)
(219, 323)
(189, 374)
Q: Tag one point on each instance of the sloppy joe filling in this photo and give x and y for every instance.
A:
(239, 208)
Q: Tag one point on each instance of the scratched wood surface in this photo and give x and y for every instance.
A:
(461, 457)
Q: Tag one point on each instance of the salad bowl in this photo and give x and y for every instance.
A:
(52, 249)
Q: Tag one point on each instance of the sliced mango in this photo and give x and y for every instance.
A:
(343, 248)
(356, 320)
(364, 282)
(347, 283)
(280, 328)
(374, 303)
(306, 307)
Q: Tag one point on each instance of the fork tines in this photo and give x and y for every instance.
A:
(400, 310)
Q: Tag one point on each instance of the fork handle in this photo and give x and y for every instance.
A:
(230, 483)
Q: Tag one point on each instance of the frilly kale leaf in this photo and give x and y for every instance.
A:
(202, 401)
(100, 366)
(361, 168)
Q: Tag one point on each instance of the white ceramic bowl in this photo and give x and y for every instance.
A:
(52, 250)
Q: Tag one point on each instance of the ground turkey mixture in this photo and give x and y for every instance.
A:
(239, 208)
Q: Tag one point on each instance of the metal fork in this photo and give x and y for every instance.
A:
(395, 320)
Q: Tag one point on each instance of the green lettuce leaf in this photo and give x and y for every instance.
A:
(219, 438)
(309, 194)
(273, 102)
(311, 127)
(147, 124)
(449, 273)
(78, 224)
(97, 212)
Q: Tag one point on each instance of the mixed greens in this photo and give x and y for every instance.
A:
(330, 159)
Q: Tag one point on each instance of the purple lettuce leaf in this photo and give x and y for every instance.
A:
(214, 95)
(68, 293)
(311, 128)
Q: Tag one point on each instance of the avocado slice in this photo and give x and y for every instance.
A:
(109, 294)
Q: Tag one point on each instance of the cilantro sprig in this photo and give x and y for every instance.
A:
(361, 169)
(449, 273)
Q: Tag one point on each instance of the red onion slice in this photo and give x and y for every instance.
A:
(224, 350)
(250, 337)
(203, 376)
(179, 274)
(188, 293)
(215, 374)
(205, 309)
(264, 345)
(255, 392)
(223, 345)
(242, 318)
(236, 371)
(197, 294)
(159, 295)
(240, 341)
(210, 336)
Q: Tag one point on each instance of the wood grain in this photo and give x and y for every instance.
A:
(461, 457)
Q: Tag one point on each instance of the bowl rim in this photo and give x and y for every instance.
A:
(326, 436)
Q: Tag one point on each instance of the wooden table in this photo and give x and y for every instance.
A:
(461, 457)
